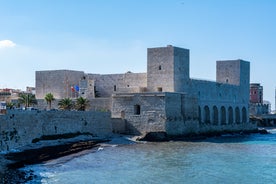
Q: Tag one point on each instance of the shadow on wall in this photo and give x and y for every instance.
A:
(131, 130)
(122, 126)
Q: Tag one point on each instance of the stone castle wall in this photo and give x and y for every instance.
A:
(142, 112)
(177, 114)
(95, 104)
(108, 84)
(57, 82)
(20, 128)
(170, 113)
(166, 98)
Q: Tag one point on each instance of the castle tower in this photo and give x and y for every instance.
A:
(167, 69)
(235, 72)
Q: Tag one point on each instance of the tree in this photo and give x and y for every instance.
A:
(27, 99)
(65, 104)
(82, 104)
(10, 105)
(49, 97)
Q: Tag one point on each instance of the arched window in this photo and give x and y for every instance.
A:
(223, 115)
(238, 116)
(244, 115)
(206, 114)
(230, 115)
(215, 115)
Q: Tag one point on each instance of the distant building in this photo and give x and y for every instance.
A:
(9, 95)
(3, 107)
(257, 105)
(30, 90)
(268, 104)
(256, 93)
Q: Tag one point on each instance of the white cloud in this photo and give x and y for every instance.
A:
(6, 44)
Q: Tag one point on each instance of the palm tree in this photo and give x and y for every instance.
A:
(27, 99)
(82, 104)
(10, 105)
(49, 97)
(65, 104)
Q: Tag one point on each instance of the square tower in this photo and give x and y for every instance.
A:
(57, 82)
(167, 69)
(236, 72)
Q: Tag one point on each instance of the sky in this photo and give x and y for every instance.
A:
(112, 36)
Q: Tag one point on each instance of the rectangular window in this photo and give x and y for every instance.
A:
(159, 89)
(115, 88)
(137, 109)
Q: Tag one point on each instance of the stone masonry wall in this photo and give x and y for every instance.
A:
(177, 114)
(95, 104)
(19, 128)
(152, 115)
(160, 70)
(57, 82)
(108, 84)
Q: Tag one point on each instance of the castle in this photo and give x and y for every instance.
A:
(165, 99)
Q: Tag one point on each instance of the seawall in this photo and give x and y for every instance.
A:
(21, 128)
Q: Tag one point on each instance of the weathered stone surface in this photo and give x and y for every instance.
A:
(57, 82)
(206, 106)
(20, 128)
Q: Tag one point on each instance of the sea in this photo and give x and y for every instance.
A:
(226, 159)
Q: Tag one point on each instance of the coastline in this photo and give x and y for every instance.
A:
(40, 152)
(44, 151)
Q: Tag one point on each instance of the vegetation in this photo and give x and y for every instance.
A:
(49, 97)
(10, 105)
(81, 104)
(27, 99)
(65, 104)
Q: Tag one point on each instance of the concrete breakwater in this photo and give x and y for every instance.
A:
(21, 128)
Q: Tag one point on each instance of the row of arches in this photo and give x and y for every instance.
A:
(222, 115)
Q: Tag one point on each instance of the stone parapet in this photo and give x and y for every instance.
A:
(20, 128)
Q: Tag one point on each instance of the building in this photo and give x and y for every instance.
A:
(3, 107)
(9, 95)
(256, 93)
(257, 105)
(30, 90)
(165, 99)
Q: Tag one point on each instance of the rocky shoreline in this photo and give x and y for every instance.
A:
(12, 162)
(162, 136)
(48, 150)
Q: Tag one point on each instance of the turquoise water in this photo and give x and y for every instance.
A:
(227, 159)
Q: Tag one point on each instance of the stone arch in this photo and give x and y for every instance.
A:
(223, 115)
(199, 114)
(215, 115)
(237, 114)
(244, 115)
(230, 115)
(206, 114)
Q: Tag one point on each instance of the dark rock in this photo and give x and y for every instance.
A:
(10, 172)
(34, 156)
(155, 137)
(263, 131)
